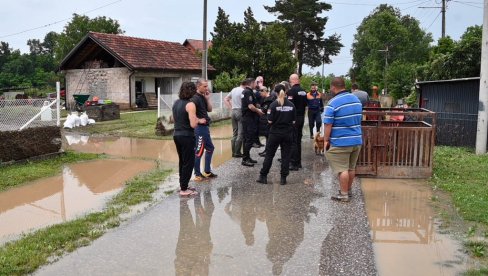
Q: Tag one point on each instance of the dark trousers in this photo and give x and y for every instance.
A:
(284, 141)
(296, 146)
(249, 125)
(314, 118)
(203, 143)
(185, 147)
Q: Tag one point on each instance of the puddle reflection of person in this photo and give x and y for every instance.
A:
(194, 245)
(241, 208)
(286, 224)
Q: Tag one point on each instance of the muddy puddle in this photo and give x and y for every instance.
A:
(162, 150)
(81, 188)
(404, 231)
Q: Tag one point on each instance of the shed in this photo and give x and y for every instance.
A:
(456, 103)
(124, 68)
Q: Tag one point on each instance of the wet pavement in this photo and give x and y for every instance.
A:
(81, 188)
(405, 234)
(239, 227)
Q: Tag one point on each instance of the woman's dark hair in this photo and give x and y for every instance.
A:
(187, 90)
(278, 88)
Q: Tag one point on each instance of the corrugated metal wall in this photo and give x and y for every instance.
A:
(456, 105)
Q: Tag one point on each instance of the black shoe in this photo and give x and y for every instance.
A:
(247, 163)
(238, 155)
(293, 168)
(262, 179)
(283, 180)
(262, 154)
(300, 166)
(252, 161)
(256, 145)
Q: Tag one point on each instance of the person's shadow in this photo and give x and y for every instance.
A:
(194, 245)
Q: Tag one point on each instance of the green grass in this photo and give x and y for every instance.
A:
(19, 174)
(464, 176)
(27, 254)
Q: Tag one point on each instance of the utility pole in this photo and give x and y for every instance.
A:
(443, 11)
(386, 66)
(204, 50)
(482, 132)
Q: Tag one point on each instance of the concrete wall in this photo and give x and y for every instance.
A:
(106, 83)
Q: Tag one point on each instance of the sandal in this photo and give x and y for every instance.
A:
(189, 188)
(188, 192)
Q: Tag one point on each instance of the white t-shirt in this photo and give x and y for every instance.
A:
(235, 96)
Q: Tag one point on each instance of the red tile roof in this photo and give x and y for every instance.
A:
(140, 53)
(197, 44)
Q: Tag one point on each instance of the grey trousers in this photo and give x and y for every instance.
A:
(237, 131)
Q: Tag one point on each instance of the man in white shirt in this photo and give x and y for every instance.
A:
(233, 102)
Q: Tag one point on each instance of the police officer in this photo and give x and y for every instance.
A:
(298, 97)
(315, 108)
(281, 116)
(250, 115)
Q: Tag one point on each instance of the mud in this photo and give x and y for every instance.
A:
(404, 230)
(162, 150)
(81, 188)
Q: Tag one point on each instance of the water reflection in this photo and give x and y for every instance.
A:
(194, 245)
(403, 230)
(80, 188)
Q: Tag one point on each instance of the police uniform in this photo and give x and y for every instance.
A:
(280, 134)
(249, 125)
(298, 97)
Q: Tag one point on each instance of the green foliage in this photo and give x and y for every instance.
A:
(451, 59)
(305, 25)
(225, 81)
(323, 82)
(18, 174)
(407, 44)
(250, 49)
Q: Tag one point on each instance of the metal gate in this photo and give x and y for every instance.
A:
(397, 143)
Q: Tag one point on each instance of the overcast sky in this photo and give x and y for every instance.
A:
(176, 20)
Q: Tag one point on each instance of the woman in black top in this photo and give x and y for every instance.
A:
(185, 118)
(281, 117)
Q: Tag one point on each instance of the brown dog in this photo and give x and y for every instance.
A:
(318, 144)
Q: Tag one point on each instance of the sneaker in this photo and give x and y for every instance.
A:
(252, 161)
(209, 175)
(340, 197)
(349, 193)
(199, 178)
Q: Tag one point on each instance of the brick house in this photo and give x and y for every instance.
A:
(123, 68)
(196, 46)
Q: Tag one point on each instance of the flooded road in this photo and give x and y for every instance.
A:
(404, 231)
(80, 188)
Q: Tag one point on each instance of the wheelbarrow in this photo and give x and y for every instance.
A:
(80, 100)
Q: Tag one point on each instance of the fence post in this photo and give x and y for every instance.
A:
(58, 104)
(159, 102)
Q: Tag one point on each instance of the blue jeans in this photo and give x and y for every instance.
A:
(203, 142)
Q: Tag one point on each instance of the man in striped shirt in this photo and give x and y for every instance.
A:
(343, 136)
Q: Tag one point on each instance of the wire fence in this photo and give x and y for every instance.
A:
(21, 113)
(220, 111)
(456, 129)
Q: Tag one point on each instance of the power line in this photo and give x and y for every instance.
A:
(468, 4)
(59, 21)
(434, 20)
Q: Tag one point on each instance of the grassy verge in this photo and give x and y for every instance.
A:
(18, 174)
(464, 175)
(26, 255)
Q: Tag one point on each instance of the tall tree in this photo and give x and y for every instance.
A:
(305, 25)
(387, 35)
(78, 27)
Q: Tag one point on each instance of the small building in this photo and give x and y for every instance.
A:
(196, 46)
(456, 104)
(123, 68)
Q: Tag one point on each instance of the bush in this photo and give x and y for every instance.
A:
(225, 82)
